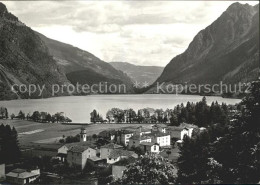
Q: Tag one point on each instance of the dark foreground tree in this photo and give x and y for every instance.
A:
(9, 145)
(232, 154)
(149, 169)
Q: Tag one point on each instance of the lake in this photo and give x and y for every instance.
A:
(78, 108)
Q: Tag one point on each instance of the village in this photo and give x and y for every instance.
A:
(110, 149)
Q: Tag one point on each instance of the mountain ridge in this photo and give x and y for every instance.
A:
(74, 60)
(24, 59)
(139, 73)
(217, 51)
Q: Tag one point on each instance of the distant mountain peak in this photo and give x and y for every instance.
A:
(139, 73)
(238, 8)
(227, 50)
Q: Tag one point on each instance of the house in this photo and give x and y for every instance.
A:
(163, 139)
(78, 155)
(119, 167)
(150, 147)
(124, 136)
(178, 132)
(22, 176)
(2, 172)
(186, 131)
(140, 131)
(174, 132)
(136, 139)
(107, 149)
(110, 134)
(118, 154)
(159, 128)
(63, 151)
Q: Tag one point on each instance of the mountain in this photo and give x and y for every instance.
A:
(28, 57)
(140, 74)
(24, 59)
(227, 50)
(83, 67)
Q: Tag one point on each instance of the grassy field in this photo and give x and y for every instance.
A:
(33, 132)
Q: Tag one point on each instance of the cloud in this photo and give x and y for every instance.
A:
(141, 32)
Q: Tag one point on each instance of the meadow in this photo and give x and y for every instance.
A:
(30, 132)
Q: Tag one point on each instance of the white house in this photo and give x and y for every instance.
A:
(22, 176)
(161, 138)
(186, 131)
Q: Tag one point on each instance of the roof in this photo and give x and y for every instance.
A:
(179, 141)
(174, 128)
(148, 143)
(140, 137)
(157, 134)
(95, 158)
(126, 132)
(181, 127)
(87, 144)
(121, 153)
(112, 146)
(21, 174)
(143, 129)
(78, 149)
(125, 161)
(161, 125)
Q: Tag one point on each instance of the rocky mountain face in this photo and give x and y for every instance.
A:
(140, 74)
(83, 67)
(24, 59)
(227, 50)
(27, 57)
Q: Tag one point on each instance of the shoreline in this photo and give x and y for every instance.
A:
(128, 94)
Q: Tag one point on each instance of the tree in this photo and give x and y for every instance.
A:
(6, 114)
(21, 115)
(9, 145)
(229, 152)
(130, 115)
(12, 116)
(193, 160)
(48, 118)
(168, 152)
(93, 116)
(36, 116)
(174, 120)
(3, 111)
(149, 169)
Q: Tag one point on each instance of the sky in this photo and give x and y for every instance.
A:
(146, 33)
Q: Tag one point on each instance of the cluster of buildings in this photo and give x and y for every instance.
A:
(118, 153)
(122, 146)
